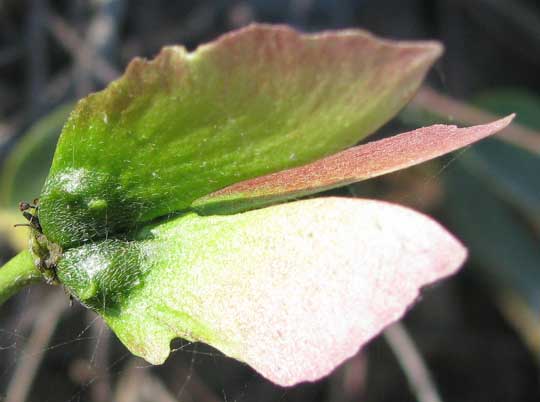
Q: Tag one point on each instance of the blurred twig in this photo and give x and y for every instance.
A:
(412, 364)
(103, 31)
(522, 316)
(36, 54)
(445, 106)
(9, 54)
(195, 24)
(36, 347)
(155, 390)
(348, 383)
(55, 90)
(128, 385)
(101, 387)
(67, 37)
(139, 385)
(79, 16)
(509, 16)
(195, 389)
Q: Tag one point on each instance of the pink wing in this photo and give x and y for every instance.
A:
(295, 289)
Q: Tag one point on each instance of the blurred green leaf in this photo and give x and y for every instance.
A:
(503, 245)
(16, 237)
(511, 172)
(25, 170)
(496, 236)
(508, 171)
(27, 165)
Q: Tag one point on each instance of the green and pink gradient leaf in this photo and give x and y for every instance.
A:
(358, 163)
(253, 102)
(292, 290)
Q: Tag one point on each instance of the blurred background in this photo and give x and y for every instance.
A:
(475, 337)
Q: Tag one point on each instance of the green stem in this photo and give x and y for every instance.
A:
(17, 273)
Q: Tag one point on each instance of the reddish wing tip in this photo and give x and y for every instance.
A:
(355, 164)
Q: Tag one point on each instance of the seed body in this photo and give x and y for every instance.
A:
(102, 274)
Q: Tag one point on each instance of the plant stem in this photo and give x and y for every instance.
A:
(17, 273)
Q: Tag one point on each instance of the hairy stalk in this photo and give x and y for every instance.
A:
(17, 273)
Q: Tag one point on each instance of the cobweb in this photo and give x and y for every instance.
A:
(51, 351)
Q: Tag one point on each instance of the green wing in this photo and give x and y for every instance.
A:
(253, 102)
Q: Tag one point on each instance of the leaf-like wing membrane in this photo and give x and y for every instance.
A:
(292, 290)
(183, 125)
(355, 164)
